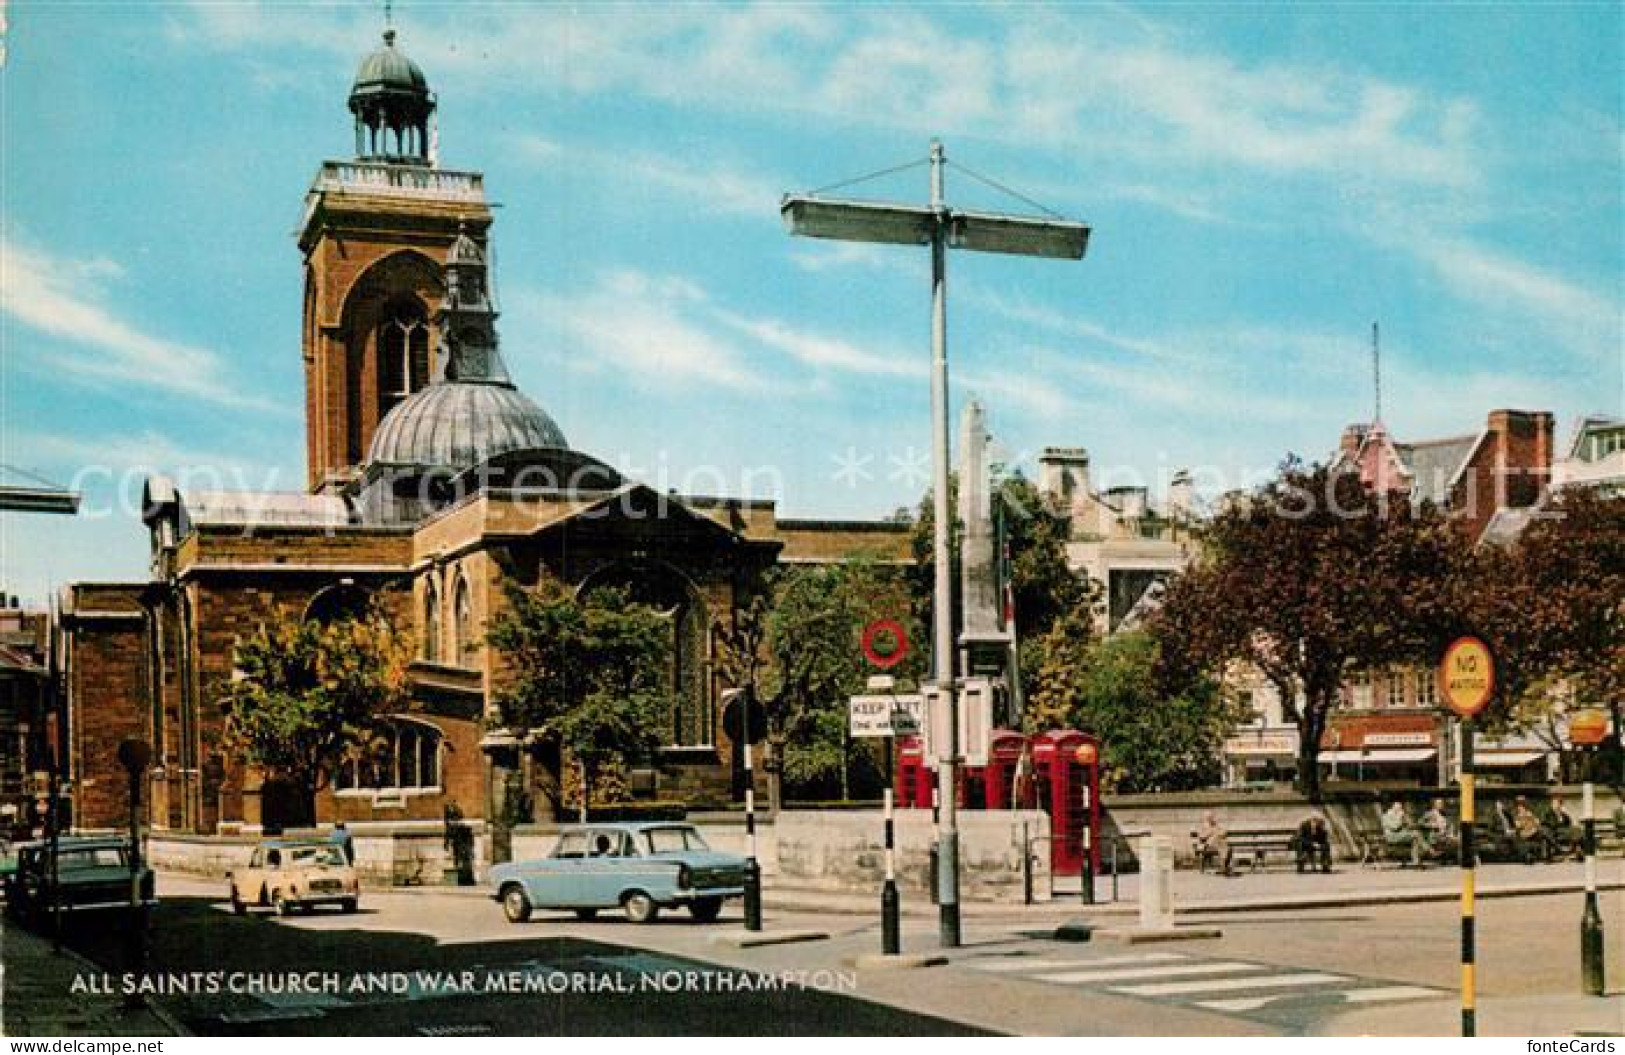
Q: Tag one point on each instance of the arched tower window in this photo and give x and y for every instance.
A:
(431, 623)
(468, 646)
(403, 352)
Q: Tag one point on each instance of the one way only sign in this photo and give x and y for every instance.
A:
(887, 715)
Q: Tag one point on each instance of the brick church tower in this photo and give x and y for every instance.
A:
(375, 235)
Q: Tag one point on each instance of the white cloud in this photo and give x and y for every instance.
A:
(663, 329)
(1586, 321)
(60, 297)
(711, 187)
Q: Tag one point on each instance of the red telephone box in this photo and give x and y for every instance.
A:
(1066, 766)
(999, 775)
(914, 779)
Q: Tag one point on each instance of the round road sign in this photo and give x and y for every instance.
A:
(1467, 676)
(885, 643)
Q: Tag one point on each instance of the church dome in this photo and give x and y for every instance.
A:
(459, 424)
(388, 70)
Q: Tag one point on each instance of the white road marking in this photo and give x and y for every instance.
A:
(1020, 963)
(1350, 996)
(1172, 970)
(1220, 985)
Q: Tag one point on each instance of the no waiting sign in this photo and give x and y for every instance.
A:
(1467, 676)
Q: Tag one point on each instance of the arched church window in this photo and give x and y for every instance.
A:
(403, 353)
(405, 756)
(431, 623)
(467, 640)
(670, 594)
(343, 601)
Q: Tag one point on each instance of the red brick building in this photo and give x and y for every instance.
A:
(433, 481)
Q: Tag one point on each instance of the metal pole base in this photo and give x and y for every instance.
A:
(948, 930)
(1591, 962)
(753, 895)
(891, 937)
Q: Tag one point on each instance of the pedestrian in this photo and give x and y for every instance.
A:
(341, 838)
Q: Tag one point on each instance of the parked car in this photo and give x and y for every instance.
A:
(641, 868)
(93, 874)
(286, 875)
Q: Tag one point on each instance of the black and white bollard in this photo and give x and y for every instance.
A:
(891, 942)
(1086, 874)
(1591, 959)
(753, 870)
(936, 840)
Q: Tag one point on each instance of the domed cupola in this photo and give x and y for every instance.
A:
(393, 107)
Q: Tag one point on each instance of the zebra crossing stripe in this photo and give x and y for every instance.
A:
(1019, 963)
(1221, 985)
(1172, 970)
(1380, 994)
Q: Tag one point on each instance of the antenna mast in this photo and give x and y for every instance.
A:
(1376, 373)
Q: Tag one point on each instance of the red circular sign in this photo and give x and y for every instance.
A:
(885, 643)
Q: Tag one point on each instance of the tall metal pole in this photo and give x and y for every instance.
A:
(1469, 861)
(942, 648)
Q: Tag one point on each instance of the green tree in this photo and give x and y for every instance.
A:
(1149, 741)
(1311, 579)
(796, 650)
(589, 676)
(1551, 603)
(307, 695)
(1044, 587)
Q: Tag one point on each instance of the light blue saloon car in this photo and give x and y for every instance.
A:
(641, 868)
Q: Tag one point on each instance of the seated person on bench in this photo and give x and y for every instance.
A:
(1314, 845)
(1439, 836)
(1529, 834)
(1563, 835)
(1398, 834)
(1213, 842)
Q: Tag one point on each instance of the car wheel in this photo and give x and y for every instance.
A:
(238, 908)
(640, 907)
(283, 906)
(706, 909)
(586, 913)
(349, 904)
(515, 905)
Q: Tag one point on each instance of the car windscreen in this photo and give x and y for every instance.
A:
(673, 840)
(101, 857)
(305, 856)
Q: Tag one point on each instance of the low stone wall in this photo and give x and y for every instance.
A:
(1347, 813)
(844, 851)
(408, 856)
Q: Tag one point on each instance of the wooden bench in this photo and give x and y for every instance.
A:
(1256, 844)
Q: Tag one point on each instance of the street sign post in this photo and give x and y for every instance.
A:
(1467, 684)
(887, 715)
(1587, 730)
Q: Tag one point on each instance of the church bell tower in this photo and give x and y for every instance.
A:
(376, 234)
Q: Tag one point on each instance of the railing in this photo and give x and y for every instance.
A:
(402, 181)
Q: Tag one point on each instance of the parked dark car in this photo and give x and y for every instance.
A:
(93, 875)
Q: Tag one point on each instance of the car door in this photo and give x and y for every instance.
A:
(604, 871)
(556, 882)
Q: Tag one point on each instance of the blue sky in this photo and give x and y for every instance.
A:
(1264, 181)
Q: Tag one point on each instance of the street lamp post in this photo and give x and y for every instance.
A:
(939, 227)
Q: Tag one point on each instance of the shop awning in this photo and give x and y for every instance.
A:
(1380, 756)
(1507, 758)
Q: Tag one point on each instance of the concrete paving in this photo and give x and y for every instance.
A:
(38, 996)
